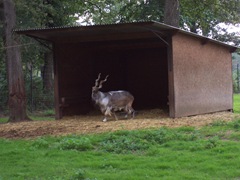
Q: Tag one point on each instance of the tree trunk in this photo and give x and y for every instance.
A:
(48, 72)
(171, 13)
(16, 87)
(48, 57)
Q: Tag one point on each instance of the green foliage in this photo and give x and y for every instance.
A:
(206, 15)
(235, 125)
(37, 98)
(140, 141)
(75, 143)
(79, 175)
(49, 112)
(212, 142)
(3, 120)
(161, 136)
(42, 13)
(125, 143)
(197, 16)
(45, 13)
(40, 143)
(115, 11)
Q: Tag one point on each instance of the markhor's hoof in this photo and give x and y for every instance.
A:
(104, 120)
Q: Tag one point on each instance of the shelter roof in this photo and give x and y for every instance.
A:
(107, 32)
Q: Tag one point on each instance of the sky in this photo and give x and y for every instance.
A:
(231, 28)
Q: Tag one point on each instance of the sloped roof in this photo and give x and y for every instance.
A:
(110, 32)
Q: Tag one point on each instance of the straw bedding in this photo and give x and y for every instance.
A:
(92, 123)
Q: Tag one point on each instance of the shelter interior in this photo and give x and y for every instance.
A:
(137, 65)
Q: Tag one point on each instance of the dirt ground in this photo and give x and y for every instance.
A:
(92, 123)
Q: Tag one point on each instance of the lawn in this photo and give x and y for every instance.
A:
(209, 152)
(236, 103)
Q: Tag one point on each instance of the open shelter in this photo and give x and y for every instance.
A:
(162, 66)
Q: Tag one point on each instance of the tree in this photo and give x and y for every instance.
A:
(119, 11)
(205, 16)
(48, 13)
(202, 17)
(57, 13)
(171, 13)
(16, 86)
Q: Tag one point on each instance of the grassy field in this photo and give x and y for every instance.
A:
(236, 103)
(210, 152)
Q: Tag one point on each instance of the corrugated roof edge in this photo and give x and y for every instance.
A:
(233, 48)
(78, 26)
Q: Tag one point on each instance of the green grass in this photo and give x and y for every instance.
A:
(3, 119)
(40, 116)
(211, 152)
(236, 103)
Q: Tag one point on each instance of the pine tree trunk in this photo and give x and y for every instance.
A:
(16, 89)
(171, 13)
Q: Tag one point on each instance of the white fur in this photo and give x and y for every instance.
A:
(105, 101)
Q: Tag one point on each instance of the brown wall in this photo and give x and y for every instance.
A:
(202, 76)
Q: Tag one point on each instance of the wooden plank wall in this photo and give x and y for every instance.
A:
(202, 76)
